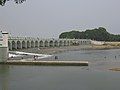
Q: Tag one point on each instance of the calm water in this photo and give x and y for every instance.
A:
(96, 76)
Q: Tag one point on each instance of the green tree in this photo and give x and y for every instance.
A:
(2, 2)
(99, 34)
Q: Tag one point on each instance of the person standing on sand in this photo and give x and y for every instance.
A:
(105, 57)
(56, 57)
(34, 57)
(21, 57)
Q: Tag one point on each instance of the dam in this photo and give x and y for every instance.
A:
(16, 43)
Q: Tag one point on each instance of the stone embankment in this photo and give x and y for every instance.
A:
(46, 63)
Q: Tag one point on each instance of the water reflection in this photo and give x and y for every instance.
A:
(4, 77)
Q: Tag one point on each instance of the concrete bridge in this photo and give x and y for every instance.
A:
(15, 43)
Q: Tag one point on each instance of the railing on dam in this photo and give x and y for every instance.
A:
(15, 43)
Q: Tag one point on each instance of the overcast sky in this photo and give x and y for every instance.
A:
(48, 18)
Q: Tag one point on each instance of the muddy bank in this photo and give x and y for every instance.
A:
(115, 69)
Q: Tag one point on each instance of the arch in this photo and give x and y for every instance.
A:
(13, 45)
(64, 43)
(51, 43)
(36, 43)
(18, 45)
(28, 44)
(41, 43)
(32, 44)
(60, 43)
(56, 43)
(23, 44)
(10, 45)
(46, 43)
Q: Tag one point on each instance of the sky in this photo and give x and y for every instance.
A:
(49, 18)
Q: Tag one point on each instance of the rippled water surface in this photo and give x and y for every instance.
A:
(96, 76)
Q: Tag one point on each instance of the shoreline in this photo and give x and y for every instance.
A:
(46, 63)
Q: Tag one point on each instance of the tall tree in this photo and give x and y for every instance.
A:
(2, 2)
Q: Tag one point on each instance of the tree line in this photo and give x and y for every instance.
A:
(99, 34)
(2, 2)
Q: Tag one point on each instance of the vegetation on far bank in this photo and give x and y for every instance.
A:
(99, 34)
(2, 2)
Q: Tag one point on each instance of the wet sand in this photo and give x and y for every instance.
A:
(115, 69)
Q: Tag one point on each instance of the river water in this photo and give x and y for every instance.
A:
(96, 76)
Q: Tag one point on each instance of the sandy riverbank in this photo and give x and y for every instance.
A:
(115, 69)
(53, 50)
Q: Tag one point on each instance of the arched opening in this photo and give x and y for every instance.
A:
(18, 45)
(41, 44)
(60, 43)
(36, 43)
(46, 43)
(32, 44)
(51, 43)
(56, 43)
(23, 44)
(13, 45)
(9, 45)
(28, 44)
(64, 43)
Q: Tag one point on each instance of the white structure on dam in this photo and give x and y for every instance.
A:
(15, 43)
(3, 46)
